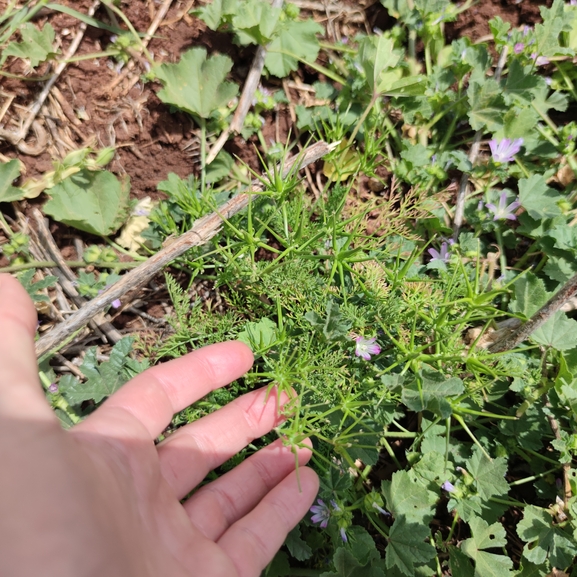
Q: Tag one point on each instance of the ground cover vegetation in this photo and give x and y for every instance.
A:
(412, 291)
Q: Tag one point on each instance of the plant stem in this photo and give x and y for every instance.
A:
(70, 263)
(473, 438)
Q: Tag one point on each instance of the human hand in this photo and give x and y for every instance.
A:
(102, 499)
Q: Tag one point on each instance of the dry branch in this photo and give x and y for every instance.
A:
(203, 230)
(473, 153)
(246, 97)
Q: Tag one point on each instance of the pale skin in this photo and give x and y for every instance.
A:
(102, 500)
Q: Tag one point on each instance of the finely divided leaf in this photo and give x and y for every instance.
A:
(197, 83)
(36, 45)
(544, 540)
(95, 202)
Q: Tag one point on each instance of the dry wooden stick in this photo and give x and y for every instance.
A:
(538, 319)
(203, 230)
(161, 13)
(66, 279)
(474, 152)
(246, 97)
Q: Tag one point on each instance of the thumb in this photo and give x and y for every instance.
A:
(21, 395)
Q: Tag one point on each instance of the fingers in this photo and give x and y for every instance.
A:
(20, 390)
(218, 505)
(253, 541)
(193, 451)
(148, 402)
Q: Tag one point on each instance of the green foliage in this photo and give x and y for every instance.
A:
(33, 289)
(197, 83)
(9, 171)
(92, 201)
(102, 378)
(36, 45)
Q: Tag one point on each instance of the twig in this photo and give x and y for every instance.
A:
(474, 152)
(203, 230)
(246, 97)
(538, 319)
(566, 466)
(162, 11)
(66, 278)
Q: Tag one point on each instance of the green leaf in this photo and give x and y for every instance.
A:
(377, 54)
(544, 540)
(521, 83)
(214, 12)
(197, 83)
(538, 199)
(36, 45)
(33, 288)
(519, 122)
(489, 475)
(409, 499)
(295, 40)
(487, 105)
(347, 565)
(407, 547)
(255, 22)
(530, 295)
(298, 548)
(220, 167)
(487, 536)
(459, 564)
(559, 332)
(430, 391)
(95, 202)
(259, 336)
(103, 379)
(555, 20)
(9, 171)
(333, 326)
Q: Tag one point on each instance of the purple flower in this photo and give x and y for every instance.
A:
(53, 388)
(343, 535)
(444, 255)
(448, 486)
(504, 210)
(539, 60)
(116, 304)
(518, 48)
(366, 347)
(321, 513)
(505, 150)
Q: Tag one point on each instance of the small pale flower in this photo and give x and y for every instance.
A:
(321, 513)
(539, 60)
(444, 255)
(504, 211)
(53, 388)
(518, 48)
(116, 304)
(381, 510)
(505, 150)
(344, 535)
(367, 347)
(448, 486)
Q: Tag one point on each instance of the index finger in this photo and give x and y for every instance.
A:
(153, 397)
